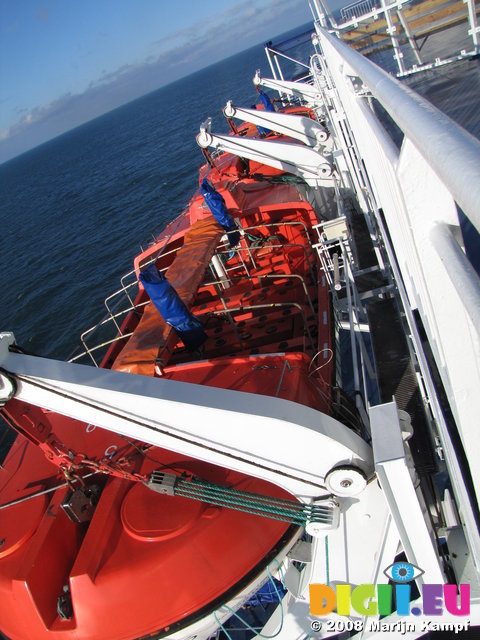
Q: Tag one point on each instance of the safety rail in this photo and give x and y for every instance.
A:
(285, 223)
(226, 310)
(169, 229)
(349, 314)
(117, 295)
(279, 246)
(412, 196)
(356, 10)
(115, 320)
(125, 287)
(425, 126)
(366, 11)
(121, 336)
(163, 229)
(112, 319)
(273, 53)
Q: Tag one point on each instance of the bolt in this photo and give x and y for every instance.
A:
(346, 483)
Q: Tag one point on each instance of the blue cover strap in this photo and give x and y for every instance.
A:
(217, 206)
(172, 309)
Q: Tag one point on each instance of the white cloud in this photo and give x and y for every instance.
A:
(237, 27)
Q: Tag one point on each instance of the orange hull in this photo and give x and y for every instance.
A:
(147, 563)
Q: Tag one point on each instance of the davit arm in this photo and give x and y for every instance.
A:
(280, 441)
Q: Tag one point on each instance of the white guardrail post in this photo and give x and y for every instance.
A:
(417, 188)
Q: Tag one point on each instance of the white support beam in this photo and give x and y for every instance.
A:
(269, 58)
(277, 440)
(307, 92)
(391, 30)
(446, 290)
(302, 161)
(474, 30)
(411, 40)
(298, 127)
(393, 473)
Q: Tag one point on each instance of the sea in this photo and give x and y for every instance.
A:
(75, 211)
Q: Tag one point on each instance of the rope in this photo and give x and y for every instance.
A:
(275, 508)
(229, 491)
(221, 626)
(326, 350)
(283, 178)
(238, 501)
(282, 509)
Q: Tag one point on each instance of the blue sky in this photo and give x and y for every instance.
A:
(64, 62)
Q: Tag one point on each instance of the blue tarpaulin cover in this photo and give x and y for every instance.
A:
(171, 308)
(267, 103)
(268, 106)
(217, 206)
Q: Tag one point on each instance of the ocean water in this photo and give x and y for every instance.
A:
(74, 211)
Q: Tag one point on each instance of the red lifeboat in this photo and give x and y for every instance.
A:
(144, 564)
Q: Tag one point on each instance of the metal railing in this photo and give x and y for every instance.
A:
(336, 258)
(113, 322)
(417, 192)
(357, 9)
(364, 11)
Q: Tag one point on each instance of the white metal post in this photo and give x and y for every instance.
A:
(409, 35)
(395, 479)
(398, 55)
(472, 19)
(269, 58)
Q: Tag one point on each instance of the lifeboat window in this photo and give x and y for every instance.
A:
(7, 438)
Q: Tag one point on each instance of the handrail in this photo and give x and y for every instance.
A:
(112, 317)
(375, 11)
(277, 276)
(284, 55)
(358, 9)
(414, 191)
(280, 246)
(431, 131)
(463, 276)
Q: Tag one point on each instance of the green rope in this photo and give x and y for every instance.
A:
(258, 502)
(237, 492)
(275, 513)
(285, 178)
(275, 508)
(283, 509)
